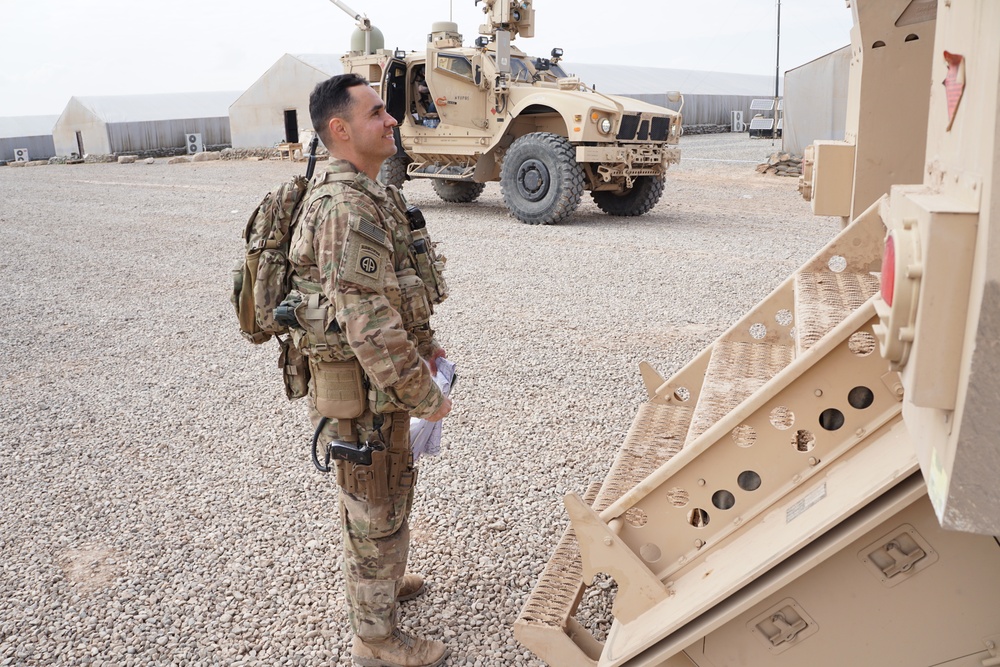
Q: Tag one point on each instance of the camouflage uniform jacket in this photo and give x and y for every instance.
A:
(349, 246)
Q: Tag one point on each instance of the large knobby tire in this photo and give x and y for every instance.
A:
(458, 192)
(393, 170)
(540, 179)
(643, 195)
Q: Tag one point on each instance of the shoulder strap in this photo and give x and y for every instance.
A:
(396, 196)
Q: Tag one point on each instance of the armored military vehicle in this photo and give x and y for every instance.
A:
(489, 112)
(819, 486)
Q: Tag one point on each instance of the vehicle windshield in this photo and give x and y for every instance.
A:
(519, 70)
(522, 69)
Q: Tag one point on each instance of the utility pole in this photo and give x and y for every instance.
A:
(777, 74)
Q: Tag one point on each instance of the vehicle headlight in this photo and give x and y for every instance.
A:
(604, 125)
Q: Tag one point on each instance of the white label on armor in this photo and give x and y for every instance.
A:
(804, 503)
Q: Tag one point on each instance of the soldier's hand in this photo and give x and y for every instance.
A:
(442, 412)
(432, 362)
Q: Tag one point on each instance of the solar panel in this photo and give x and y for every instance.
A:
(761, 123)
(781, 104)
(762, 105)
(780, 122)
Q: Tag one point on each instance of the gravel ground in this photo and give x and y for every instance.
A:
(158, 502)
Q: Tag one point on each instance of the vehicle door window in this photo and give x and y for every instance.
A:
(454, 64)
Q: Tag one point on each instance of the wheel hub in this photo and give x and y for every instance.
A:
(532, 180)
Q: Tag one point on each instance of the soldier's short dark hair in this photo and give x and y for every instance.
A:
(332, 98)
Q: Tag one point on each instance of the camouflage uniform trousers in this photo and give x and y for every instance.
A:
(374, 518)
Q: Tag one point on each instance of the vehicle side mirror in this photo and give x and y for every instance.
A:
(674, 96)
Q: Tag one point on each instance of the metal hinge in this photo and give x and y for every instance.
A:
(782, 626)
(898, 555)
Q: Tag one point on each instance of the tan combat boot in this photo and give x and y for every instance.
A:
(398, 650)
(409, 587)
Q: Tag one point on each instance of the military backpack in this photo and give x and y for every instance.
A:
(261, 278)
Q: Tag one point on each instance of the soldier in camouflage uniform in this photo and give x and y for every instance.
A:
(365, 277)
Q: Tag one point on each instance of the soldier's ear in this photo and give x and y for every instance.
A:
(338, 129)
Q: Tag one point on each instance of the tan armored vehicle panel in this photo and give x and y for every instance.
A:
(819, 486)
(469, 115)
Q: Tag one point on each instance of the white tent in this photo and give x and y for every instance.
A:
(631, 80)
(709, 97)
(275, 108)
(816, 101)
(132, 123)
(32, 134)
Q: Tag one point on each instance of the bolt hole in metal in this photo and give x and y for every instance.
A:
(678, 497)
(803, 440)
(748, 480)
(636, 517)
(758, 331)
(784, 317)
(831, 419)
(744, 435)
(860, 398)
(723, 499)
(682, 394)
(782, 418)
(837, 263)
(861, 343)
(698, 517)
(650, 553)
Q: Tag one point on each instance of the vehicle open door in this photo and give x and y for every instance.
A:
(394, 89)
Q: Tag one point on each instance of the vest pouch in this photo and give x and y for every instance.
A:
(320, 334)
(244, 277)
(430, 266)
(414, 308)
(269, 288)
(338, 388)
(294, 369)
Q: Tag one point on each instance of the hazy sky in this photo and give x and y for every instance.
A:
(52, 50)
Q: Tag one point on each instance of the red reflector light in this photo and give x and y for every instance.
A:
(888, 269)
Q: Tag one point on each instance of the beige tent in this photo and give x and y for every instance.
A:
(275, 109)
(816, 101)
(709, 97)
(131, 123)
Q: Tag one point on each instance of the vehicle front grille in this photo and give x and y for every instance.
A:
(660, 128)
(651, 128)
(643, 131)
(627, 130)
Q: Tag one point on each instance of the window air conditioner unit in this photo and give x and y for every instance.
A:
(194, 143)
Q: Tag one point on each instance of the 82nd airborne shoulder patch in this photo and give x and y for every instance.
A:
(364, 261)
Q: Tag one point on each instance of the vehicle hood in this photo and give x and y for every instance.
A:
(577, 101)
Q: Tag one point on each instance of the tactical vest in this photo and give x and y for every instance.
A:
(418, 270)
